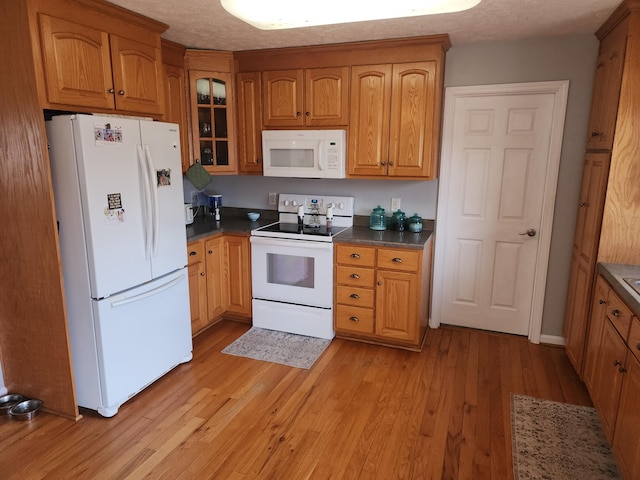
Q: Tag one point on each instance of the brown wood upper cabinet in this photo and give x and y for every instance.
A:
(84, 65)
(394, 121)
(248, 86)
(306, 97)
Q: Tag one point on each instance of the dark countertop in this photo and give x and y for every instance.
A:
(235, 221)
(614, 274)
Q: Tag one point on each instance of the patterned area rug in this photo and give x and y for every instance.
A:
(558, 441)
(278, 347)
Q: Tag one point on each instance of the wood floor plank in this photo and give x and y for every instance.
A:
(362, 411)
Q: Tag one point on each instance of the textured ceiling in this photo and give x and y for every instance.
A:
(205, 24)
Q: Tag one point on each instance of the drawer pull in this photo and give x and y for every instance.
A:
(397, 260)
(354, 319)
(601, 302)
(622, 370)
(616, 313)
(354, 275)
(210, 252)
(355, 295)
(617, 363)
(355, 255)
(191, 254)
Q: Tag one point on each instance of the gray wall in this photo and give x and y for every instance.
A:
(560, 58)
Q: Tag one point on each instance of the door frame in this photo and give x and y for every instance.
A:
(561, 90)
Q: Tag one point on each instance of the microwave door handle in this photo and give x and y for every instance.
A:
(321, 156)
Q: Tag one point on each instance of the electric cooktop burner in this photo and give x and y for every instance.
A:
(294, 228)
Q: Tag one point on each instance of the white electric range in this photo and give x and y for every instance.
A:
(292, 264)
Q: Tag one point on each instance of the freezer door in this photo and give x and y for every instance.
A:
(140, 335)
(161, 147)
(110, 175)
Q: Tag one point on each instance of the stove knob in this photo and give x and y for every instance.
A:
(331, 204)
(294, 203)
(340, 206)
(286, 203)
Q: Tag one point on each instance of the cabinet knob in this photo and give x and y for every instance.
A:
(210, 252)
(396, 260)
(601, 302)
(298, 114)
(379, 283)
(202, 274)
(258, 160)
(354, 275)
(615, 313)
(120, 92)
(582, 204)
(307, 114)
(355, 255)
(617, 363)
(355, 295)
(622, 370)
(382, 163)
(638, 346)
(391, 164)
(191, 254)
(596, 134)
(111, 90)
(354, 319)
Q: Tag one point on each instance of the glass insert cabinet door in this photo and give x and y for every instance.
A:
(212, 120)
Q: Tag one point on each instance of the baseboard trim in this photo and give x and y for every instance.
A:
(552, 340)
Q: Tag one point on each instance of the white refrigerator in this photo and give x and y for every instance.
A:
(119, 205)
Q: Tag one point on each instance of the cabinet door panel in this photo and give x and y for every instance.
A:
(596, 327)
(577, 311)
(137, 76)
(592, 203)
(77, 63)
(326, 96)
(625, 444)
(412, 119)
(396, 306)
(249, 122)
(369, 120)
(176, 106)
(282, 98)
(216, 280)
(238, 275)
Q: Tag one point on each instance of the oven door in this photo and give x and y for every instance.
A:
(292, 271)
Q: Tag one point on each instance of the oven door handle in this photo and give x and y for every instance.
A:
(281, 242)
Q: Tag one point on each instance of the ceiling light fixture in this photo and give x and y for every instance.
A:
(281, 14)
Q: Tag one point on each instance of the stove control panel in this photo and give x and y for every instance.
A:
(316, 204)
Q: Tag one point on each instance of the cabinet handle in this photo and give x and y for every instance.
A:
(622, 370)
(382, 163)
(354, 275)
(111, 90)
(298, 114)
(616, 313)
(379, 283)
(355, 295)
(601, 302)
(191, 254)
(355, 255)
(596, 134)
(202, 274)
(617, 363)
(396, 260)
(582, 204)
(258, 160)
(391, 164)
(307, 114)
(354, 319)
(210, 252)
(638, 346)
(120, 92)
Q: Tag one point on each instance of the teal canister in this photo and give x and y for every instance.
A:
(415, 223)
(397, 220)
(378, 219)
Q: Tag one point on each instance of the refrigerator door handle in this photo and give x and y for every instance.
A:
(154, 192)
(147, 201)
(150, 293)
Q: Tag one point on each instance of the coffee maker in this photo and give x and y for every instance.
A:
(214, 204)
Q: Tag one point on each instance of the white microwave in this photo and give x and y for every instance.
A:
(304, 153)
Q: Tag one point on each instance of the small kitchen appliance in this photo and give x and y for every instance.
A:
(188, 213)
(292, 264)
(215, 203)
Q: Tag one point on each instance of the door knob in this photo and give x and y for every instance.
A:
(531, 232)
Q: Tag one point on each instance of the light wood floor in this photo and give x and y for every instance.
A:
(362, 411)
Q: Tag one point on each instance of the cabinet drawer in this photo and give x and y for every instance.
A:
(195, 252)
(634, 337)
(619, 314)
(405, 260)
(356, 276)
(359, 297)
(355, 255)
(354, 319)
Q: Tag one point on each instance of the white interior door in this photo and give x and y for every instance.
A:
(501, 151)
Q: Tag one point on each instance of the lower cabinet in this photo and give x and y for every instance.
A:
(382, 294)
(219, 280)
(612, 374)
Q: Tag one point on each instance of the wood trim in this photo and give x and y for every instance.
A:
(34, 340)
(172, 53)
(619, 14)
(357, 53)
(209, 60)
